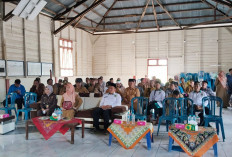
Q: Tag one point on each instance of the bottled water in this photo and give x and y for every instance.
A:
(128, 118)
(194, 118)
(198, 120)
(133, 119)
(189, 119)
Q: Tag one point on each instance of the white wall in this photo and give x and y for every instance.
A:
(125, 55)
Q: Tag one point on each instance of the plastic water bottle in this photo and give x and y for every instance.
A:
(152, 112)
(194, 118)
(133, 119)
(189, 119)
(198, 120)
(128, 118)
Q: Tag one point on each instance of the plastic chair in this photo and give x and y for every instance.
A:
(141, 112)
(170, 112)
(29, 98)
(213, 116)
(8, 108)
(186, 109)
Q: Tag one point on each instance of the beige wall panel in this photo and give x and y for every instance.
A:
(153, 45)
(225, 49)
(32, 40)
(141, 45)
(175, 43)
(192, 50)
(14, 39)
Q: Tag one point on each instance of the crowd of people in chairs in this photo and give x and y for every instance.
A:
(115, 94)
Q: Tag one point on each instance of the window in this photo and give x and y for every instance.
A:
(158, 68)
(66, 57)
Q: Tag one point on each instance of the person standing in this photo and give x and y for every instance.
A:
(221, 88)
(229, 82)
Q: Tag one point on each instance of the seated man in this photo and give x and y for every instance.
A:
(92, 86)
(156, 96)
(129, 93)
(189, 87)
(170, 90)
(79, 86)
(108, 101)
(207, 90)
(100, 87)
(196, 95)
(57, 86)
(19, 90)
(179, 88)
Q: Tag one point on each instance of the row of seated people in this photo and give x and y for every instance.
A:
(48, 101)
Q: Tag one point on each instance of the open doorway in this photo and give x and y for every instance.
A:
(158, 68)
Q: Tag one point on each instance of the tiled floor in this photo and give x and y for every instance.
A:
(14, 144)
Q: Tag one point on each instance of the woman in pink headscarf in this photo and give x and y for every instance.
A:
(221, 89)
(70, 102)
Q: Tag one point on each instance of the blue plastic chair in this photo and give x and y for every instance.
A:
(186, 109)
(29, 98)
(213, 116)
(170, 105)
(141, 112)
(8, 108)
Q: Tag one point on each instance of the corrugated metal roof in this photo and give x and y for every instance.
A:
(126, 14)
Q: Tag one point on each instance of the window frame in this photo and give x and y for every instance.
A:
(157, 64)
(68, 48)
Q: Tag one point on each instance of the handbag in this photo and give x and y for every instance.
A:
(67, 105)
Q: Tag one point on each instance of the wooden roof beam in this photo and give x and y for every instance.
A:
(107, 12)
(158, 13)
(214, 7)
(226, 3)
(155, 15)
(179, 18)
(80, 16)
(209, 22)
(158, 1)
(169, 4)
(144, 12)
(68, 9)
(92, 10)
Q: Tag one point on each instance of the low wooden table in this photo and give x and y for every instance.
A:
(72, 127)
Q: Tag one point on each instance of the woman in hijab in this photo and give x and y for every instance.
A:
(70, 102)
(48, 102)
(221, 89)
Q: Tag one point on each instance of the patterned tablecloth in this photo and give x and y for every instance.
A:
(194, 143)
(129, 136)
(48, 128)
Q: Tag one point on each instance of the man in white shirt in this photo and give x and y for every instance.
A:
(196, 95)
(156, 96)
(109, 101)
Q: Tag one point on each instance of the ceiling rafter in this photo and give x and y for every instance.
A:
(169, 4)
(79, 16)
(214, 7)
(158, 1)
(208, 22)
(59, 3)
(226, 3)
(167, 19)
(85, 17)
(92, 9)
(107, 12)
(155, 15)
(68, 9)
(158, 13)
(143, 13)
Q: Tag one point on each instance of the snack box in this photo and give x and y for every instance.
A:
(180, 126)
(117, 121)
(141, 123)
(4, 116)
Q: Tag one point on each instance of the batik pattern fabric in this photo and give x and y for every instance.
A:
(194, 143)
(129, 135)
(48, 127)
